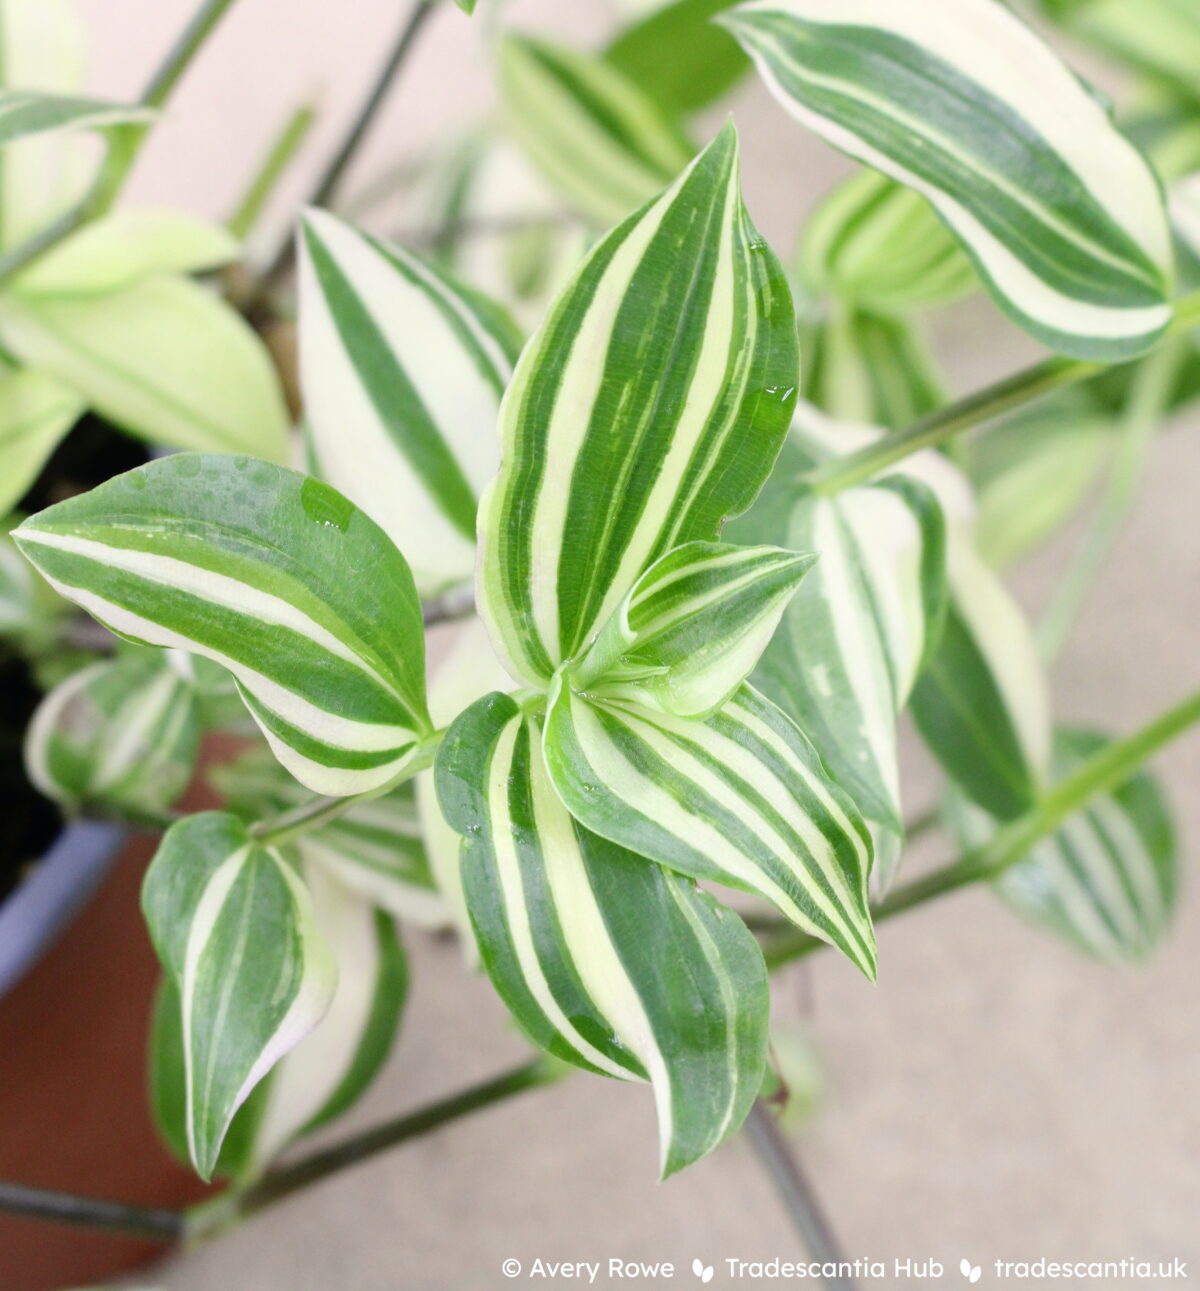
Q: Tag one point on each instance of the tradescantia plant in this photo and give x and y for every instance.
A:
(713, 545)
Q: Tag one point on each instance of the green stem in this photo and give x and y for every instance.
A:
(124, 144)
(279, 156)
(91, 1212)
(209, 1218)
(1149, 395)
(320, 811)
(1105, 770)
(1013, 392)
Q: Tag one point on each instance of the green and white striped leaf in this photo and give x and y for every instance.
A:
(692, 628)
(373, 850)
(164, 359)
(872, 368)
(605, 959)
(855, 636)
(603, 143)
(879, 246)
(402, 372)
(981, 704)
(960, 101)
(234, 927)
(679, 56)
(740, 799)
(1107, 879)
(648, 409)
(29, 112)
(273, 575)
(36, 411)
(125, 247)
(123, 733)
(328, 1071)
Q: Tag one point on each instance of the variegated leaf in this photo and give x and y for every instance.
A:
(854, 638)
(164, 359)
(402, 372)
(36, 411)
(599, 139)
(960, 101)
(692, 628)
(648, 408)
(879, 246)
(234, 927)
(741, 799)
(273, 575)
(869, 368)
(29, 112)
(125, 247)
(605, 959)
(1107, 879)
(374, 849)
(328, 1071)
(123, 733)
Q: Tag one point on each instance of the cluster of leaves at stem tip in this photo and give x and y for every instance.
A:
(707, 580)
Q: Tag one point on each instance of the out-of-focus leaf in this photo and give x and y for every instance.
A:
(36, 411)
(32, 112)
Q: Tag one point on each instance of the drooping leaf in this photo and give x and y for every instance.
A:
(164, 359)
(871, 368)
(125, 247)
(598, 137)
(467, 6)
(648, 408)
(373, 850)
(961, 102)
(692, 628)
(30, 112)
(679, 56)
(123, 733)
(328, 1070)
(273, 575)
(1107, 879)
(36, 411)
(740, 799)
(234, 927)
(605, 959)
(402, 372)
(879, 246)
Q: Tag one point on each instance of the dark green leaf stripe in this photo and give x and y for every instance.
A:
(28, 112)
(247, 998)
(599, 138)
(648, 408)
(741, 799)
(274, 575)
(693, 627)
(402, 371)
(957, 99)
(122, 733)
(1107, 880)
(604, 958)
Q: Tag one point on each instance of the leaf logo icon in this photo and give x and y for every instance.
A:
(972, 1272)
(703, 1271)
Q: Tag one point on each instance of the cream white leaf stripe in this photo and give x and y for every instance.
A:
(605, 959)
(960, 101)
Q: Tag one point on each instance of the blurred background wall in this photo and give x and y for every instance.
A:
(994, 1097)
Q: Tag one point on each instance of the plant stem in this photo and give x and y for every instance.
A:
(1012, 392)
(796, 1193)
(209, 1218)
(320, 811)
(331, 178)
(1105, 770)
(279, 156)
(90, 1212)
(457, 603)
(1148, 396)
(124, 144)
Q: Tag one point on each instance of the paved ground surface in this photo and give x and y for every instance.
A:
(994, 1097)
